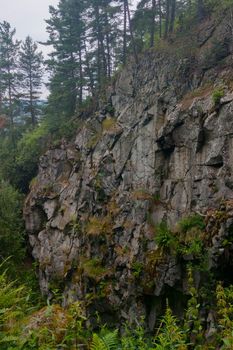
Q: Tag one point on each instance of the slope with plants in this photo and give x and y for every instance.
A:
(102, 213)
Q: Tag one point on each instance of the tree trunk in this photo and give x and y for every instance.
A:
(167, 18)
(200, 10)
(101, 49)
(152, 33)
(131, 32)
(160, 19)
(109, 69)
(80, 74)
(89, 72)
(173, 16)
(125, 33)
(32, 109)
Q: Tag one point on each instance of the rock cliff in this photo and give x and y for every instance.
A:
(160, 149)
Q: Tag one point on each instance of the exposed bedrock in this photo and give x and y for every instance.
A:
(162, 148)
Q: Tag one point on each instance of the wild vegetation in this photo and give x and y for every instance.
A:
(24, 325)
(90, 42)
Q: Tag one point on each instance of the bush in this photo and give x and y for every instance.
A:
(164, 236)
(11, 223)
(189, 222)
(217, 95)
(29, 149)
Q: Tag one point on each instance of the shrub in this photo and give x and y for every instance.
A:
(29, 149)
(164, 236)
(189, 222)
(11, 223)
(194, 247)
(224, 298)
(217, 95)
(171, 335)
(137, 268)
(13, 307)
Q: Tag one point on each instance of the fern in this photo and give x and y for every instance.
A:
(108, 341)
(170, 336)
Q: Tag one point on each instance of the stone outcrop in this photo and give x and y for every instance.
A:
(160, 149)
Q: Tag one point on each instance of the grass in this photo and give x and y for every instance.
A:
(201, 92)
(141, 194)
(190, 222)
(93, 268)
(99, 226)
(110, 125)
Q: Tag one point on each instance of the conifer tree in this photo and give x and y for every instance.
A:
(66, 30)
(31, 73)
(9, 47)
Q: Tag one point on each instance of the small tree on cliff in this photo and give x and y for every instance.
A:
(31, 72)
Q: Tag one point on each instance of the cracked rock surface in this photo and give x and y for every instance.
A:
(165, 151)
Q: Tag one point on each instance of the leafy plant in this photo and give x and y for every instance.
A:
(192, 324)
(94, 269)
(11, 224)
(191, 221)
(164, 237)
(170, 335)
(224, 298)
(217, 95)
(137, 268)
(105, 341)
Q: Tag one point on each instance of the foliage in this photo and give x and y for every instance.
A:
(53, 326)
(31, 73)
(170, 335)
(13, 307)
(225, 314)
(93, 268)
(189, 222)
(29, 149)
(217, 95)
(137, 268)
(11, 224)
(99, 226)
(105, 341)
(135, 337)
(164, 237)
(192, 324)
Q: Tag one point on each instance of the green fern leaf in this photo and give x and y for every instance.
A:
(108, 341)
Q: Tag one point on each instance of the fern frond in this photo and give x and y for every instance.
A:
(108, 341)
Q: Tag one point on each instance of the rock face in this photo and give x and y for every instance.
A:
(159, 150)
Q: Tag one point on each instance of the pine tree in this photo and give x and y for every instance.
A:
(66, 30)
(31, 73)
(9, 47)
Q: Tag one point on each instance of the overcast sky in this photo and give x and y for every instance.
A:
(27, 16)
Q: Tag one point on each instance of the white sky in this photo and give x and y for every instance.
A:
(28, 16)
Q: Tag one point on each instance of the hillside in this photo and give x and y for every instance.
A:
(117, 218)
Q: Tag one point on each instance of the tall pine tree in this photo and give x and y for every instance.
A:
(9, 82)
(30, 62)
